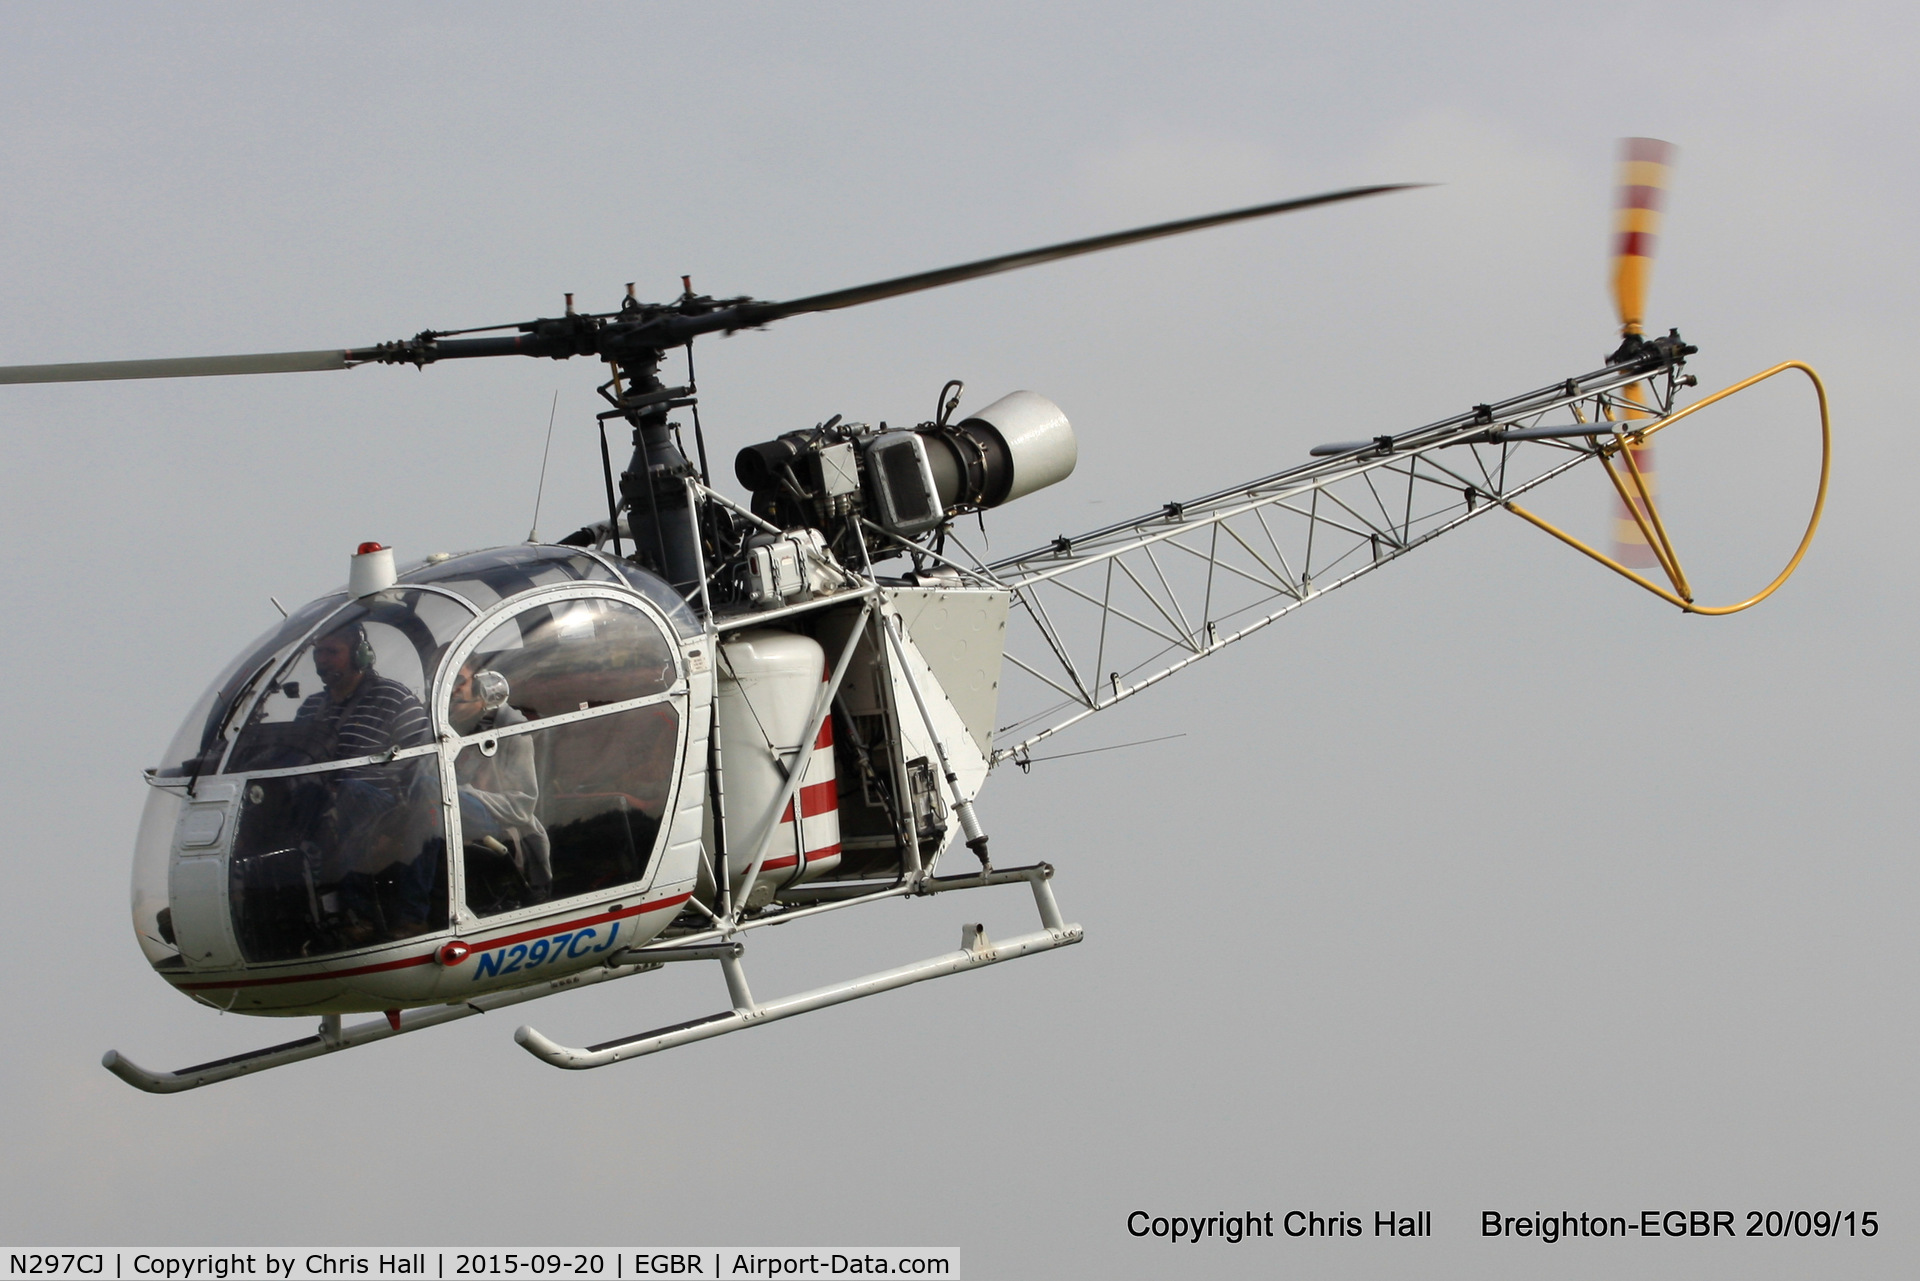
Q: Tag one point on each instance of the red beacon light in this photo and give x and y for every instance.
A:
(370, 570)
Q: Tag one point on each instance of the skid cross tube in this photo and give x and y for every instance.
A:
(976, 950)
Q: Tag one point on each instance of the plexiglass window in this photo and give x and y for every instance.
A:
(552, 812)
(488, 577)
(339, 859)
(357, 688)
(575, 655)
(556, 812)
(197, 747)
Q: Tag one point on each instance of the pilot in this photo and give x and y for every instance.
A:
(499, 793)
(359, 712)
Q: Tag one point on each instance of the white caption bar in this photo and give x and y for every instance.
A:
(439, 1263)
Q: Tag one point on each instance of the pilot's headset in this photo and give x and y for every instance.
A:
(362, 653)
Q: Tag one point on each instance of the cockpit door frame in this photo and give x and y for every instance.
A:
(677, 694)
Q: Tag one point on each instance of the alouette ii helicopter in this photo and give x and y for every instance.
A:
(481, 779)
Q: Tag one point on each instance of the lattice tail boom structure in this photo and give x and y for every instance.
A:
(1106, 615)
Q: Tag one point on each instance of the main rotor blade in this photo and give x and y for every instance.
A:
(271, 362)
(763, 312)
(586, 337)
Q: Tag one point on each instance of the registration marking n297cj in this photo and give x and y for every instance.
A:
(522, 957)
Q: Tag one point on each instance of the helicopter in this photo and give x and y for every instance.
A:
(476, 780)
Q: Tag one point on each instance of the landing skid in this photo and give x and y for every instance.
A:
(976, 950)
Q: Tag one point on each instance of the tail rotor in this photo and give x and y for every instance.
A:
(1644, 167)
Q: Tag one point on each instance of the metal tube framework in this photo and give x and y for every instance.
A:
(1113, 612)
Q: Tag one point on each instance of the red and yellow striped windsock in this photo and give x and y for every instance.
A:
(1644, 164)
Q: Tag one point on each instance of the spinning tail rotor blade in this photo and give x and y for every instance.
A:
(273, 362)
(763, 312)
(1644, 166)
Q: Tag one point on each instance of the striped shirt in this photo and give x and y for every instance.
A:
(381, 714)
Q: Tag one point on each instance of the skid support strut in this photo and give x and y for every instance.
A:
(976, 950)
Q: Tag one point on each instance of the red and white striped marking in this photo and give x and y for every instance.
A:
(814, 845)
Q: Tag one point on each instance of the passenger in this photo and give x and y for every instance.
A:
(499, 793)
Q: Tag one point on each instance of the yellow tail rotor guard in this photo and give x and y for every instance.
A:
(1656, 535)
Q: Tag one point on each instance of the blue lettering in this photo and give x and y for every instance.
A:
(572, 945)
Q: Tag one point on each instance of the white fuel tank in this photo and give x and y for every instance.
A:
(769, 683)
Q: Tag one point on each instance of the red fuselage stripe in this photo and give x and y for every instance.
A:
(406, 962)
(813, 856)
(816, 799)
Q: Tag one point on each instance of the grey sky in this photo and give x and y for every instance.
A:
(1491, 883)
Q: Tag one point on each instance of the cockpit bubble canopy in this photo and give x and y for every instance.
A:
(357, 686)
(486, 578)
(326, 739)
(408, 630)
